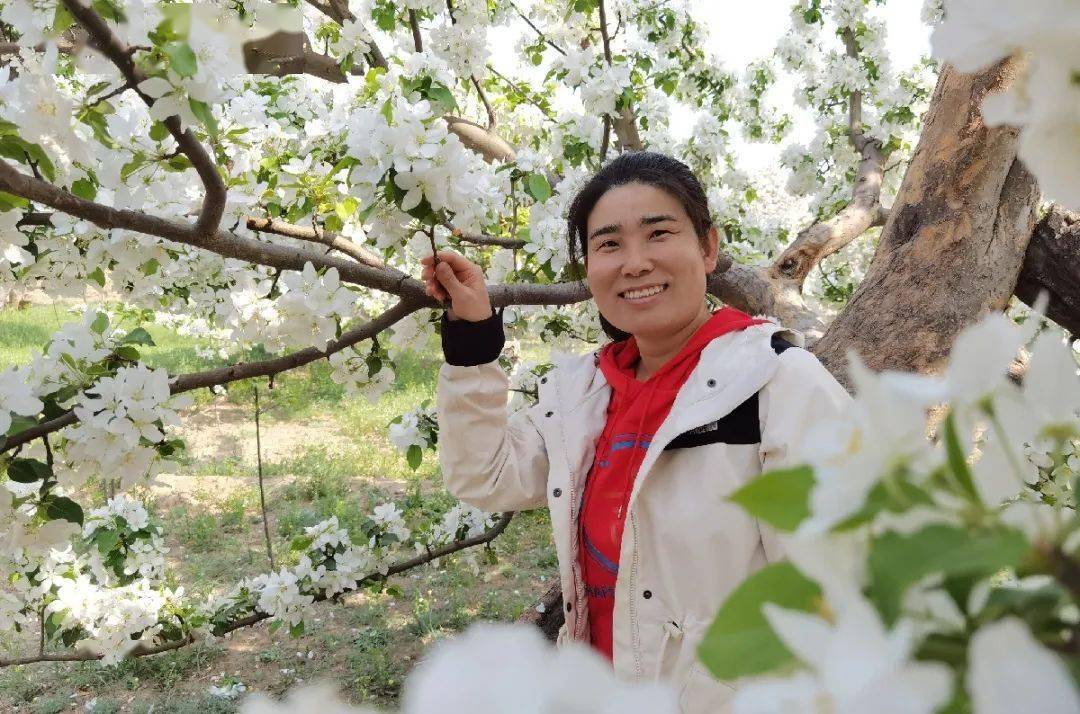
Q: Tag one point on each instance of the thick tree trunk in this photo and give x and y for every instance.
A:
(954, 242)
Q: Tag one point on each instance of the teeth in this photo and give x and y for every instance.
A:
(643, 293)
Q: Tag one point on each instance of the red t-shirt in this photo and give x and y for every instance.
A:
(635, 412)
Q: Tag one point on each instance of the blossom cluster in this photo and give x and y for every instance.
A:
(891, 522)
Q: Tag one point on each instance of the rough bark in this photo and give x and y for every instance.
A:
(1052, 263)
(954, 242)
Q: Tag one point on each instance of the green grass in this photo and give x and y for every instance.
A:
(367, 644)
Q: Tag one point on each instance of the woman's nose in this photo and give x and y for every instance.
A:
(635, 262)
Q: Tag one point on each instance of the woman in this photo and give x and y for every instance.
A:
(634, 448)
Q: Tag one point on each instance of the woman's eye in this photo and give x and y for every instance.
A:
(608, 244)
(659, 233)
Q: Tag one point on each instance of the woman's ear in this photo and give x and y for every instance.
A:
(710, 249)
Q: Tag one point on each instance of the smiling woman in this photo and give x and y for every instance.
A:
(637, 447)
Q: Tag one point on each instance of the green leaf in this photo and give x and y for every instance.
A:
(63, 508)
(957, 462)
(181, 58)
(150, 267)
(8, 201)
(97, 276)
(28, 470)
(127, 352)
(85, 189)
(538, 187)
(415, 456)
(138, 336)
(62, 19)
(346, 208)
(106, 540)
(297, 630)
(898, 561)
(442, 95)
(740, 641)
(158, 131)
(20, 423)
(780, 498)
(110, 10)
(204, 114)
(100, 323)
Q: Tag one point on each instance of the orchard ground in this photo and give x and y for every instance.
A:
(324, 454)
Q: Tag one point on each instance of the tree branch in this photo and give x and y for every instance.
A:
(143, 650)
(221, 242)
(538, 31)
(524, 95)
(864, 211)
(1052, 263)
(414, 23)
(477, 138)
(625, 125)
(224, 375)
(318, 235)
(492, 119)
(120, 54)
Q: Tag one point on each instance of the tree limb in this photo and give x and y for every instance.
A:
(414, 23)
(625, 125)
(120, 54)
(143, 650)
(318, 235)
(824, 238)
(477, 138)
(232, 373)
(538, 31)
(1052, 263)
(221, 242)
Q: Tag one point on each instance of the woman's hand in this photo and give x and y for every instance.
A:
(460, 280)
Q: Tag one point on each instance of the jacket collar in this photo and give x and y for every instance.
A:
(731, 360)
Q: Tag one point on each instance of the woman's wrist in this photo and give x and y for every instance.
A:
(451, 315)
(467, 344)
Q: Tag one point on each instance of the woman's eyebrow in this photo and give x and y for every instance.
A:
(645, 221)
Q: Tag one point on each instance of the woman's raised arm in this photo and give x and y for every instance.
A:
(489, 459)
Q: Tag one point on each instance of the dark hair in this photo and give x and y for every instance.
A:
(648, 167)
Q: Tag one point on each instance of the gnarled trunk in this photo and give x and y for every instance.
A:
(953, 244)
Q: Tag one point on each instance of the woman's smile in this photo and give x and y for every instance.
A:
(644, 295)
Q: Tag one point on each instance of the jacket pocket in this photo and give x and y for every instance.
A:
(701, 694)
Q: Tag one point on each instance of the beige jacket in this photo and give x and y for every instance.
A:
(685, 547)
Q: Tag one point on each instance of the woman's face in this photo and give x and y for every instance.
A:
(644, 264)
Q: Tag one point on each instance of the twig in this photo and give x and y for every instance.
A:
(262, 491)
(606, 140)
(119, 53)
(119, 90)
(538, 31)
(414, 23)
(525, 95)
(492, 119)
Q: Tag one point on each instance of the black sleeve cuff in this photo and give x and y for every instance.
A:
(468, 344)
